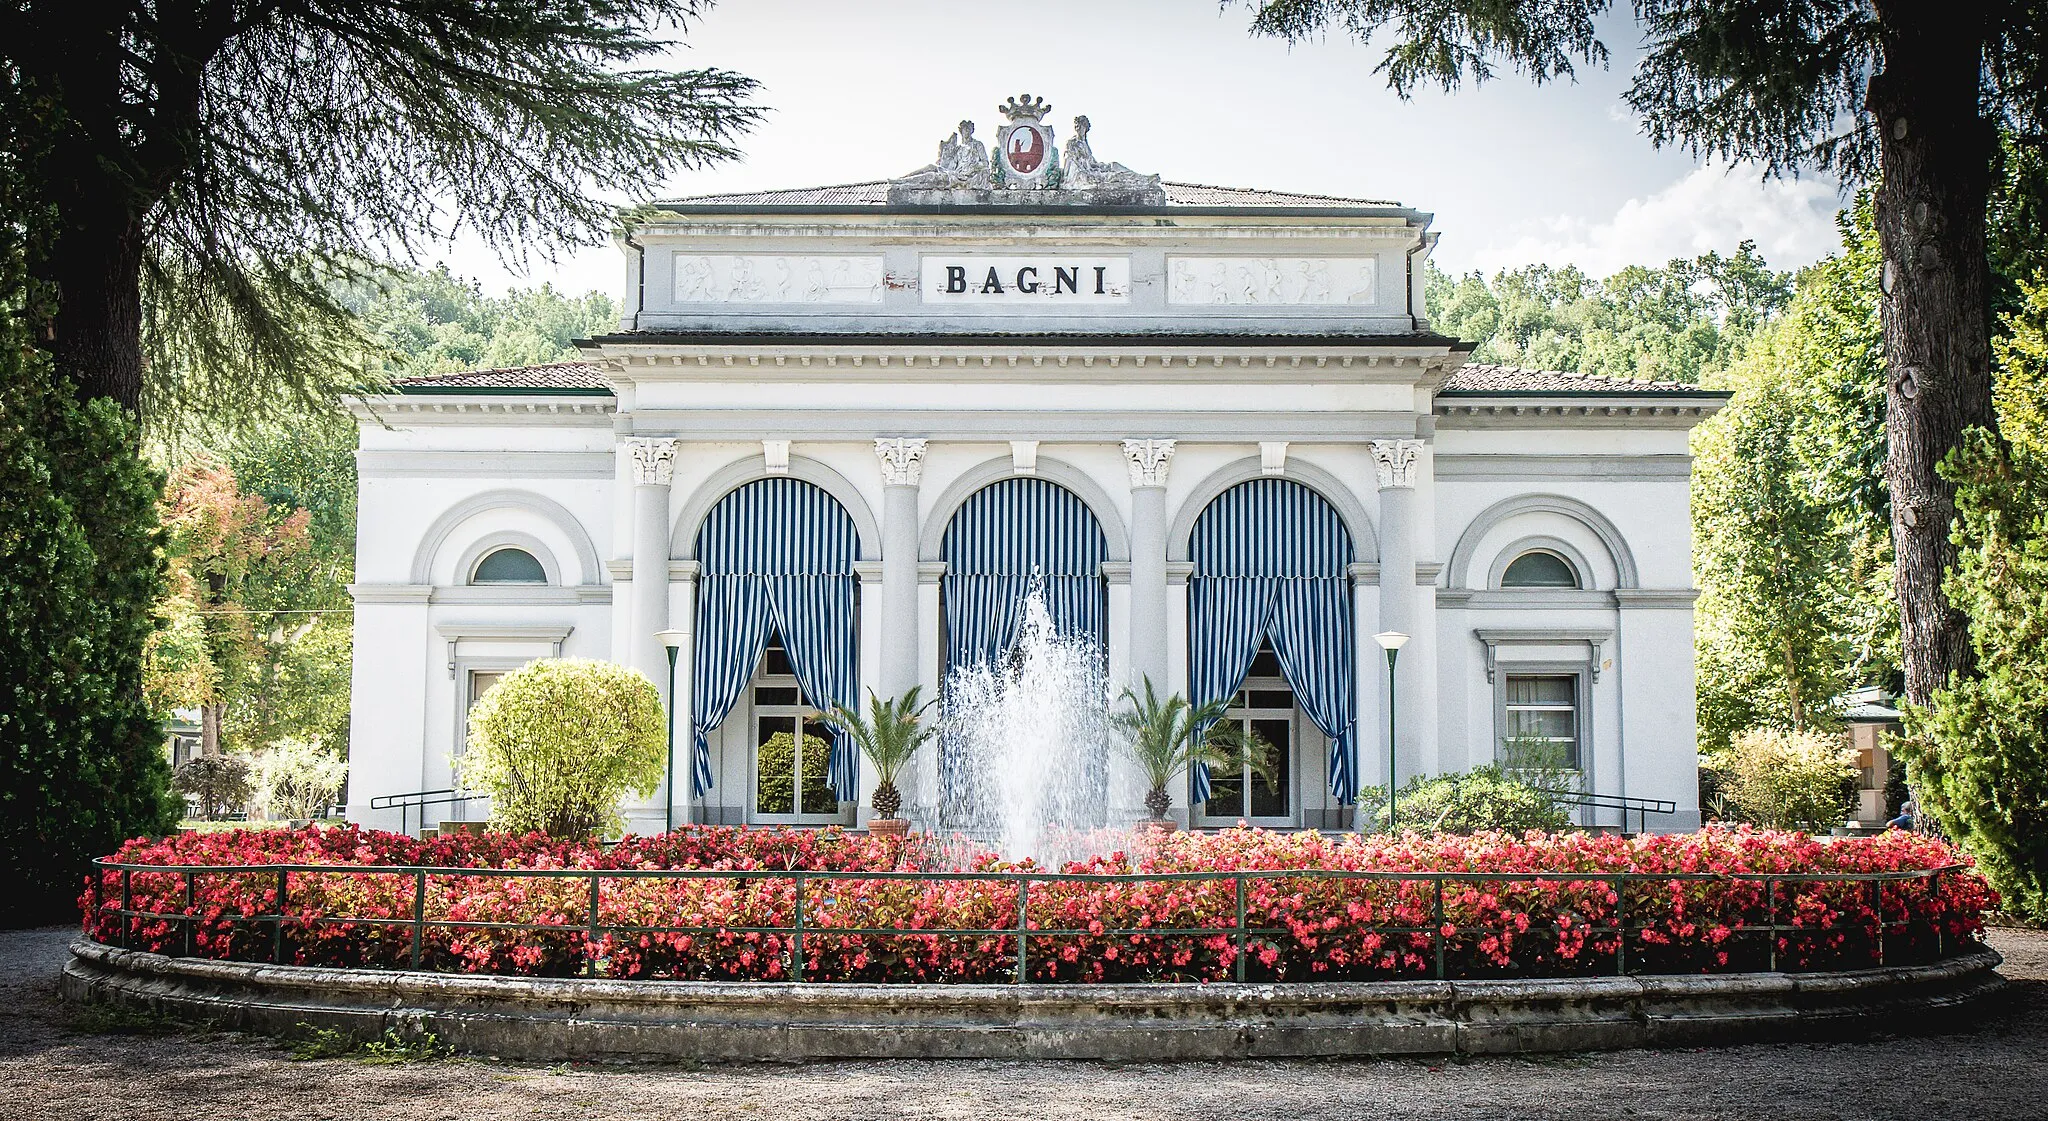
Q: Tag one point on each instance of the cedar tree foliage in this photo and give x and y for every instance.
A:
(1911, 95)
(216, 165)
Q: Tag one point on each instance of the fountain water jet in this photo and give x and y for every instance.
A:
(1026, 749)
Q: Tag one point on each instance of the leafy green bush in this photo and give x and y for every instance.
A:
(1484, 798)
(1787, 780)
(298, 779)
(220, 782)
(559, 742)
(775, 781)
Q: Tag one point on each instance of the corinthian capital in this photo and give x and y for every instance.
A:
(902, 461)
(1148, 460)
(1395, 461)
(654, 460)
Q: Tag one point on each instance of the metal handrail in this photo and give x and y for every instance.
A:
(1241, 931)
(1644, 807)
(420, 799)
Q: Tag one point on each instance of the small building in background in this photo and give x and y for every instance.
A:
(181, 736)
(1872, 719)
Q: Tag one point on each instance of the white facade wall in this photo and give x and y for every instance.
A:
(1599, 476)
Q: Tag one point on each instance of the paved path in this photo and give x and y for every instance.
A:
(49, 1068)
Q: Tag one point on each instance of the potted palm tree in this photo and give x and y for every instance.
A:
(1161, 736)
(889, 735)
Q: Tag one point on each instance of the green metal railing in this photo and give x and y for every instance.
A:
(1240, 931)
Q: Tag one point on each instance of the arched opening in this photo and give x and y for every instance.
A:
(1270, 631)
(1005, 539)
(776, 640)
(1539, 568)
(509, 566)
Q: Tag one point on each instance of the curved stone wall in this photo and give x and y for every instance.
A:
(554, 1020)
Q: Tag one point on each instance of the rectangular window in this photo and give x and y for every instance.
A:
(1544, 707)
(792, 748)
(1265, 707)
(480, 682)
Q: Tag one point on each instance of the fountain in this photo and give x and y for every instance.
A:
(1025, 760)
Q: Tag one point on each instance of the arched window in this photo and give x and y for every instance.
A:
(1539, 568)
(509, 566)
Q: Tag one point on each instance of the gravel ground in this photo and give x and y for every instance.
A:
(53, 1065)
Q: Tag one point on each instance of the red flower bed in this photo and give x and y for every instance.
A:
(1305, 921)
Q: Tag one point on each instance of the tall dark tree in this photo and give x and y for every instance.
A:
(216, 163)
(1911, 95)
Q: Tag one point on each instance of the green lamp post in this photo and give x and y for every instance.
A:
(1391, 642)
(673, 641)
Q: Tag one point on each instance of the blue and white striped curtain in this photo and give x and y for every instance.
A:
(1272, 561)
(1004, 537)
(777, 553)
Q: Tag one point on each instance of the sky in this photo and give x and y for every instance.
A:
(1515, 173)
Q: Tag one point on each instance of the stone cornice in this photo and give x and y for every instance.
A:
(1575, 410)
(528, 407)
(854, 360)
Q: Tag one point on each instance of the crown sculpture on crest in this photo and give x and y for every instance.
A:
(1025, 159)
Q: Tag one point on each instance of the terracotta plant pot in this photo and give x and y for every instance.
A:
(888, 826)
(1163, 824)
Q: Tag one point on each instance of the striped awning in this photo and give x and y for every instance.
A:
(1007, 538)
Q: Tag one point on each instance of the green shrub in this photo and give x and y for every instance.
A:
(1787, 780)
(297, 780)
(775, 782)
(1484, 798)
(559, 742)
(220, 782)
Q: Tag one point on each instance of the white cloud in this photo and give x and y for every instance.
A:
(1713, 207)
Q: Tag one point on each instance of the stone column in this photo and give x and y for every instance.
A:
(902, 471)
(1148, 460)
(1395, 463)
(654, 468)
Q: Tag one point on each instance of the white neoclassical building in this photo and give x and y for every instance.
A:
(841, 431)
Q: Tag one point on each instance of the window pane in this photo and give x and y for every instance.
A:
(817, 784)
(775, 765)
(1271, 698)
(1226, 795)
(480, 683)
(510, 566)
(1544, 723)
(776, 660)
(1547, 690)
(777, 695)
(1269, 799)
(1538, 569)
(1267, 664)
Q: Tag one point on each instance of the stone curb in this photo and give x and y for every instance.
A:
(552, 1020)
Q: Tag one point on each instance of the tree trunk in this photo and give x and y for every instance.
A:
(96, 271)
(1935, 152)
(209, 729)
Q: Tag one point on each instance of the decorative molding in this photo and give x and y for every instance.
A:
(456, 633)
(1665, 598)
(1494, 638)
(1116, 572)
(390, 593)
(1426, 572)
(1178, 572)
(902, 461)
(1272, 457)
(860, 425)
(620, 568)
(1364, 573)
(1230, 358)
(869, 571)
(546, 508)
(1283, 281)
(1618, 552)
(1148, 460)
(1527, 599)
(1581, 410)
(1519, 468)
(1395, 462)
(536, 407)
(426, 463)
(775, 454)
(929, 571)
(526, 595)
(683, 571)
(1024, 457)
(749, 278)
(653, 459)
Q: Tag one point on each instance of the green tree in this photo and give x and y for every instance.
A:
(1788, 779)
(889, 736)
(560, 741)
(1909, 95)
(426, 322)
(1979, 753)
(1168, 736)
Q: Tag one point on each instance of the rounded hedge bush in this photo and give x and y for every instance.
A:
(557, 743)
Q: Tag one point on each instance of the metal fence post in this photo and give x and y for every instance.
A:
(419, 915)
(191, 916)
(1436, 927)
(127, 906)
(1243, 941)
(1771, 931)
(1621, 926)
(1877, 905)
(590, 954)
(796, 956)
(1934, 891)
(1023, 924)
(277, 923)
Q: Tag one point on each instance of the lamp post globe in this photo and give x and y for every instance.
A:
(1391, 642)
(670, 641)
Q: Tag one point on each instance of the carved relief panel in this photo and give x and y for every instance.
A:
(1298, 281)
(752, 278)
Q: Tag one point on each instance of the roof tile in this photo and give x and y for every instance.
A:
(1481, 377)
(551, 375)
